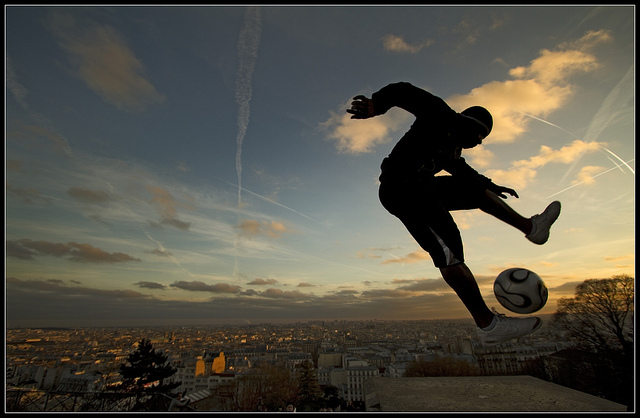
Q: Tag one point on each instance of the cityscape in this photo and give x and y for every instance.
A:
(344, 353)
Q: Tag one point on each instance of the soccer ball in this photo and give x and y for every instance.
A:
(520, 290)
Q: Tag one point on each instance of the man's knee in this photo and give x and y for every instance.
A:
(449, 263)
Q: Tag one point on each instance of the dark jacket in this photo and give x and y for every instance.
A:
(429, 146)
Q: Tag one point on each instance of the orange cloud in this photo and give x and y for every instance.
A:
(105, 62)
(414, 257)
(26, 249)
(88, 196)
(166, 206)
(396, 43)
(251, 228)
(538, 89)
(524, 171)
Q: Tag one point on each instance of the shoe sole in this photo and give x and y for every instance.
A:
(535, 328)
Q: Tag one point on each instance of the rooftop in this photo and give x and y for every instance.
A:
(479, 394)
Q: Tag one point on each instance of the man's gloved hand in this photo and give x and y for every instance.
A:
(361, 108)
(501, 190)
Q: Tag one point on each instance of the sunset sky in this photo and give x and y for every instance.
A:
(195, 165)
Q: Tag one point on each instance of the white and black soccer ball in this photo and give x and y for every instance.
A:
(520, 290)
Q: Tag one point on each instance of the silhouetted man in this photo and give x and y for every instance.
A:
(410, 190)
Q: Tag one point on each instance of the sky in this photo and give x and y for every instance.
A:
(195, 165)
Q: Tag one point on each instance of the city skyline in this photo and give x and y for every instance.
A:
(194, 165)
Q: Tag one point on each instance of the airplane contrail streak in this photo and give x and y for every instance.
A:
(270, 200)
(547, 122)
(621, 160)
(577, 184)
(171, 257)
(248, 43)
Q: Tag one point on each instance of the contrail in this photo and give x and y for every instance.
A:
(609, 112)
(248, 43)
(597, 175)
(270, 201)
(577, 137)
(547, 122)
(621, 160)
(164, 250)
(612, 110)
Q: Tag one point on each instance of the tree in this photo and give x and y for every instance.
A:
(309, 392)
(146, 370)
(264, 387)
(600, 315)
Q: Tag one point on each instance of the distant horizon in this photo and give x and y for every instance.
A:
(250, 324)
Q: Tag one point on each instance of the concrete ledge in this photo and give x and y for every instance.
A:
(479, 394)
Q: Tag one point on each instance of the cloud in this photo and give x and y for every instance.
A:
(414, 257)
(627, 257)
(538, 89)
(251, 228)
(412, 299)
(25, 195)
(363, 255)
(54, 286)
(481, 157)
(26, 249)
(197, 286)
(395, 43)
(281, 294)
(18, 91)
(522, 172)
(423, 285)
(150, 285)
(40, 135)
(102, 59)
(354, 136)
(166, 206)
(469, 30)
(586, 174)
(160, 252)
(89, 196)
(304, 284)
(262, 282)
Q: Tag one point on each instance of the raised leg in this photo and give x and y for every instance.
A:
(496, 206)
(462, 281)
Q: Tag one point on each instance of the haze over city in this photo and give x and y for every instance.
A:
(192, 165)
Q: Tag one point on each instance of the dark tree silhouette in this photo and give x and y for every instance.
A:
(146, 369)
(309, 392)
(600, 318)
(601, 314)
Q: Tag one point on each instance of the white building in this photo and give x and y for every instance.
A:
(349, 380)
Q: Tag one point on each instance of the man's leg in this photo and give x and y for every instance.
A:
(462, 281)
(496, 206)
(492, 328)
(536, 228)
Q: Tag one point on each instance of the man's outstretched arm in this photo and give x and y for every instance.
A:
(403, 95)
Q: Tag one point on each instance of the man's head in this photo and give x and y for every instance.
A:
(474, 125)
(480, 114)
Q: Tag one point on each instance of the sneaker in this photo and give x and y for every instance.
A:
(507, 328)
(542, 223)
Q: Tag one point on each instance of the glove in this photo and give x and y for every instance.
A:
(362, 108)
